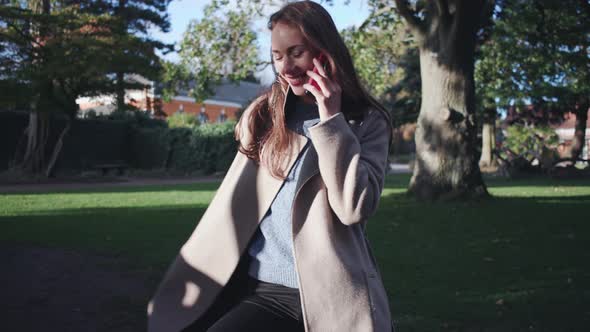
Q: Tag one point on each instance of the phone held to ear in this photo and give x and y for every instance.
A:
(324, 62)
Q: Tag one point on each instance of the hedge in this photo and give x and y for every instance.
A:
(207, 148)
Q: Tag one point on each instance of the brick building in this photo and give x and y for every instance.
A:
(227, 100)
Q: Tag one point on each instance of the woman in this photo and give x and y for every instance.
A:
(282, 245)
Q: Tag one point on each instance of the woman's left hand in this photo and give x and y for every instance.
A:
(329, 96)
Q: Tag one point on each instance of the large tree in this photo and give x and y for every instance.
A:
(133, 49)
(51, 53)
(221, 45)
(447, 33)
(539, 54)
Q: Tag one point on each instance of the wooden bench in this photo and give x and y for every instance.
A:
(105, 168)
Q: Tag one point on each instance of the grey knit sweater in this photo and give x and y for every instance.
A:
(271, 249)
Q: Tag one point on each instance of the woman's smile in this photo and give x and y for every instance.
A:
(298, 80)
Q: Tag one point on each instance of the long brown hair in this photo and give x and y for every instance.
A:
(266, 123)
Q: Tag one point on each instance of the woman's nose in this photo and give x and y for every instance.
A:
(288, 65)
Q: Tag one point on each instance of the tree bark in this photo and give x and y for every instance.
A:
(37, 133)
(488, 139)
(120, 86)
(120, 75)
(57, 150)
(579, 139)
(446, 135)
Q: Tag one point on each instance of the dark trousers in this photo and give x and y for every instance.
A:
(250, 305)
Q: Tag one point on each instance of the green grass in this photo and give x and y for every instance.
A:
(517, 262)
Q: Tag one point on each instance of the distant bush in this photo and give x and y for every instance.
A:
(135, 118)
(530, 141)
(182, 120)
(207, 148)
(528, 149)
(131, 137)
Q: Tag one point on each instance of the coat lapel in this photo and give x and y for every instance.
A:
(309, 167)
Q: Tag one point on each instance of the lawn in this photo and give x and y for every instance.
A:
(517, 262)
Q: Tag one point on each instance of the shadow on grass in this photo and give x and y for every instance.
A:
(147, 235)
(537, 181)
(506, 264)
(46, 189)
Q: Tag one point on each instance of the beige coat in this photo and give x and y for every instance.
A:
(340, 186)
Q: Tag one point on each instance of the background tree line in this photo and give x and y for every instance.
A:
(449, 65)
(54, 51)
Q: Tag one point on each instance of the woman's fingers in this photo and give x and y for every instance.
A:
(320, 68)
(314, 91)
(321, 81)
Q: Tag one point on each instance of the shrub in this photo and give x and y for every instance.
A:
(529, 149)
(182, 120)
(207, 148)
(135, 118)
(530, 141)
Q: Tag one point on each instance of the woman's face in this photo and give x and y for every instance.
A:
(292, 56)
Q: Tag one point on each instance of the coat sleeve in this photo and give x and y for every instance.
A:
(352, 168)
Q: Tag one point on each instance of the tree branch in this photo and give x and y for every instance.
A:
(487, 10)
(443, 8)
(415, 24)
(375, 14)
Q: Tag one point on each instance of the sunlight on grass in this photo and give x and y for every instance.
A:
(55, 203)
(518, 259)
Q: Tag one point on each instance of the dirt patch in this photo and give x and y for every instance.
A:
(57, 290)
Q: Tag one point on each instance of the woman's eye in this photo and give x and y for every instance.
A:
(297, 54)
(278, 58)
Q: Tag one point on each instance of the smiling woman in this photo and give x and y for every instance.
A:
(282, 246)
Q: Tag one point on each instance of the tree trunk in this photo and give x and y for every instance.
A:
(579, 139)
(37, 133)
(488, 139)
(57, 150)
(120, 86)
(446, 134)
(120, 75)
(446, 165)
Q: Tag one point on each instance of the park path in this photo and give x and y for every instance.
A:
(109, 183)
(131, 182)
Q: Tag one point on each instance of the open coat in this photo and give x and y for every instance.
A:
(339, 189)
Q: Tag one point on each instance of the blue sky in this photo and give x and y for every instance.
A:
(183, 11)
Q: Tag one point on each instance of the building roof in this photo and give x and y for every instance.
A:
(239, 93)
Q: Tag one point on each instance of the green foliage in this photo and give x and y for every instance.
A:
(149, 148)
(537, 53)
(220, 45)
(521, 260)
(133, 48)
(182, 120)
(59, 50)
(135, 118)
(386, 59)
(207, 148)
(50, 57)
(174, 78)
(131, 137)
(529, 142)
